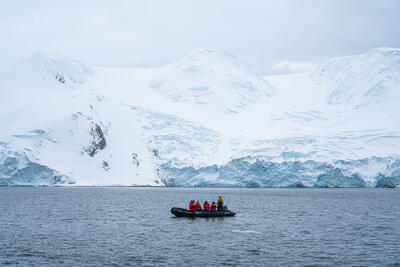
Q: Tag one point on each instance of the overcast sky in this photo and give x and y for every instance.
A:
(272, 35)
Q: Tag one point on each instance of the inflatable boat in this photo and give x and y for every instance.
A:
(179, 212)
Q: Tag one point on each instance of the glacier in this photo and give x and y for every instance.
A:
(207, 120)
(18, 169)
(255, 172)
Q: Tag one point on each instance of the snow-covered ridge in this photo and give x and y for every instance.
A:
(218, 79)
(45, 66)
(371, 78)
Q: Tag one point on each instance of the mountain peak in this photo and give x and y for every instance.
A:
(211, 77)
(362, 79)
(207, 52)
(385, 50)
(212, 59)
(62, 69)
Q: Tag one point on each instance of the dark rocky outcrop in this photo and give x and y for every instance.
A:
(98, 140)
(105, 165)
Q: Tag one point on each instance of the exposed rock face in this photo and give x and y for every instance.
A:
(105, 165)
(135, 159)
(98, 140)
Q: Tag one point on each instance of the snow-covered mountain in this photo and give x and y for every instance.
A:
(207, 120)
(212, 78)
(371, 78)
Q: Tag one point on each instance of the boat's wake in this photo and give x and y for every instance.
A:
(246, 232)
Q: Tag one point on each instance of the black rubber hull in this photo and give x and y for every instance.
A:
(179, 212)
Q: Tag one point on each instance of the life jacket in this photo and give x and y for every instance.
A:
(206, 206)
(213, 207)
(192, 206)
(220, 201)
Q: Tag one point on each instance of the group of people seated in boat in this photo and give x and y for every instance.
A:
(196, 206)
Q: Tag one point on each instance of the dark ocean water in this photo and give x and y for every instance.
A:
(134, 226)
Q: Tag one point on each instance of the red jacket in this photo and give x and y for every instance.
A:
(192, 206)
(206, 207)
(198, 206)
(213, 207)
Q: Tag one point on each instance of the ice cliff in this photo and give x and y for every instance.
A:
(250, 172)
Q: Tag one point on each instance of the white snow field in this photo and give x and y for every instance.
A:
(207, 120)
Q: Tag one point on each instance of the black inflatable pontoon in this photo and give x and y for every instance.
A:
(179, 212)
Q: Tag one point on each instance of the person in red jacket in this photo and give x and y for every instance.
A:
(213, 206)
(198, 206)
(206, 206)
(192, 206)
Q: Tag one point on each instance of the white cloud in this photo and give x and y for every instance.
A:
(289, 66)
(155, 32)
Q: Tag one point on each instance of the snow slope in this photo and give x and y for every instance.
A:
(61, 124)
(371, 78)
(212, 78)
(207, 120)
